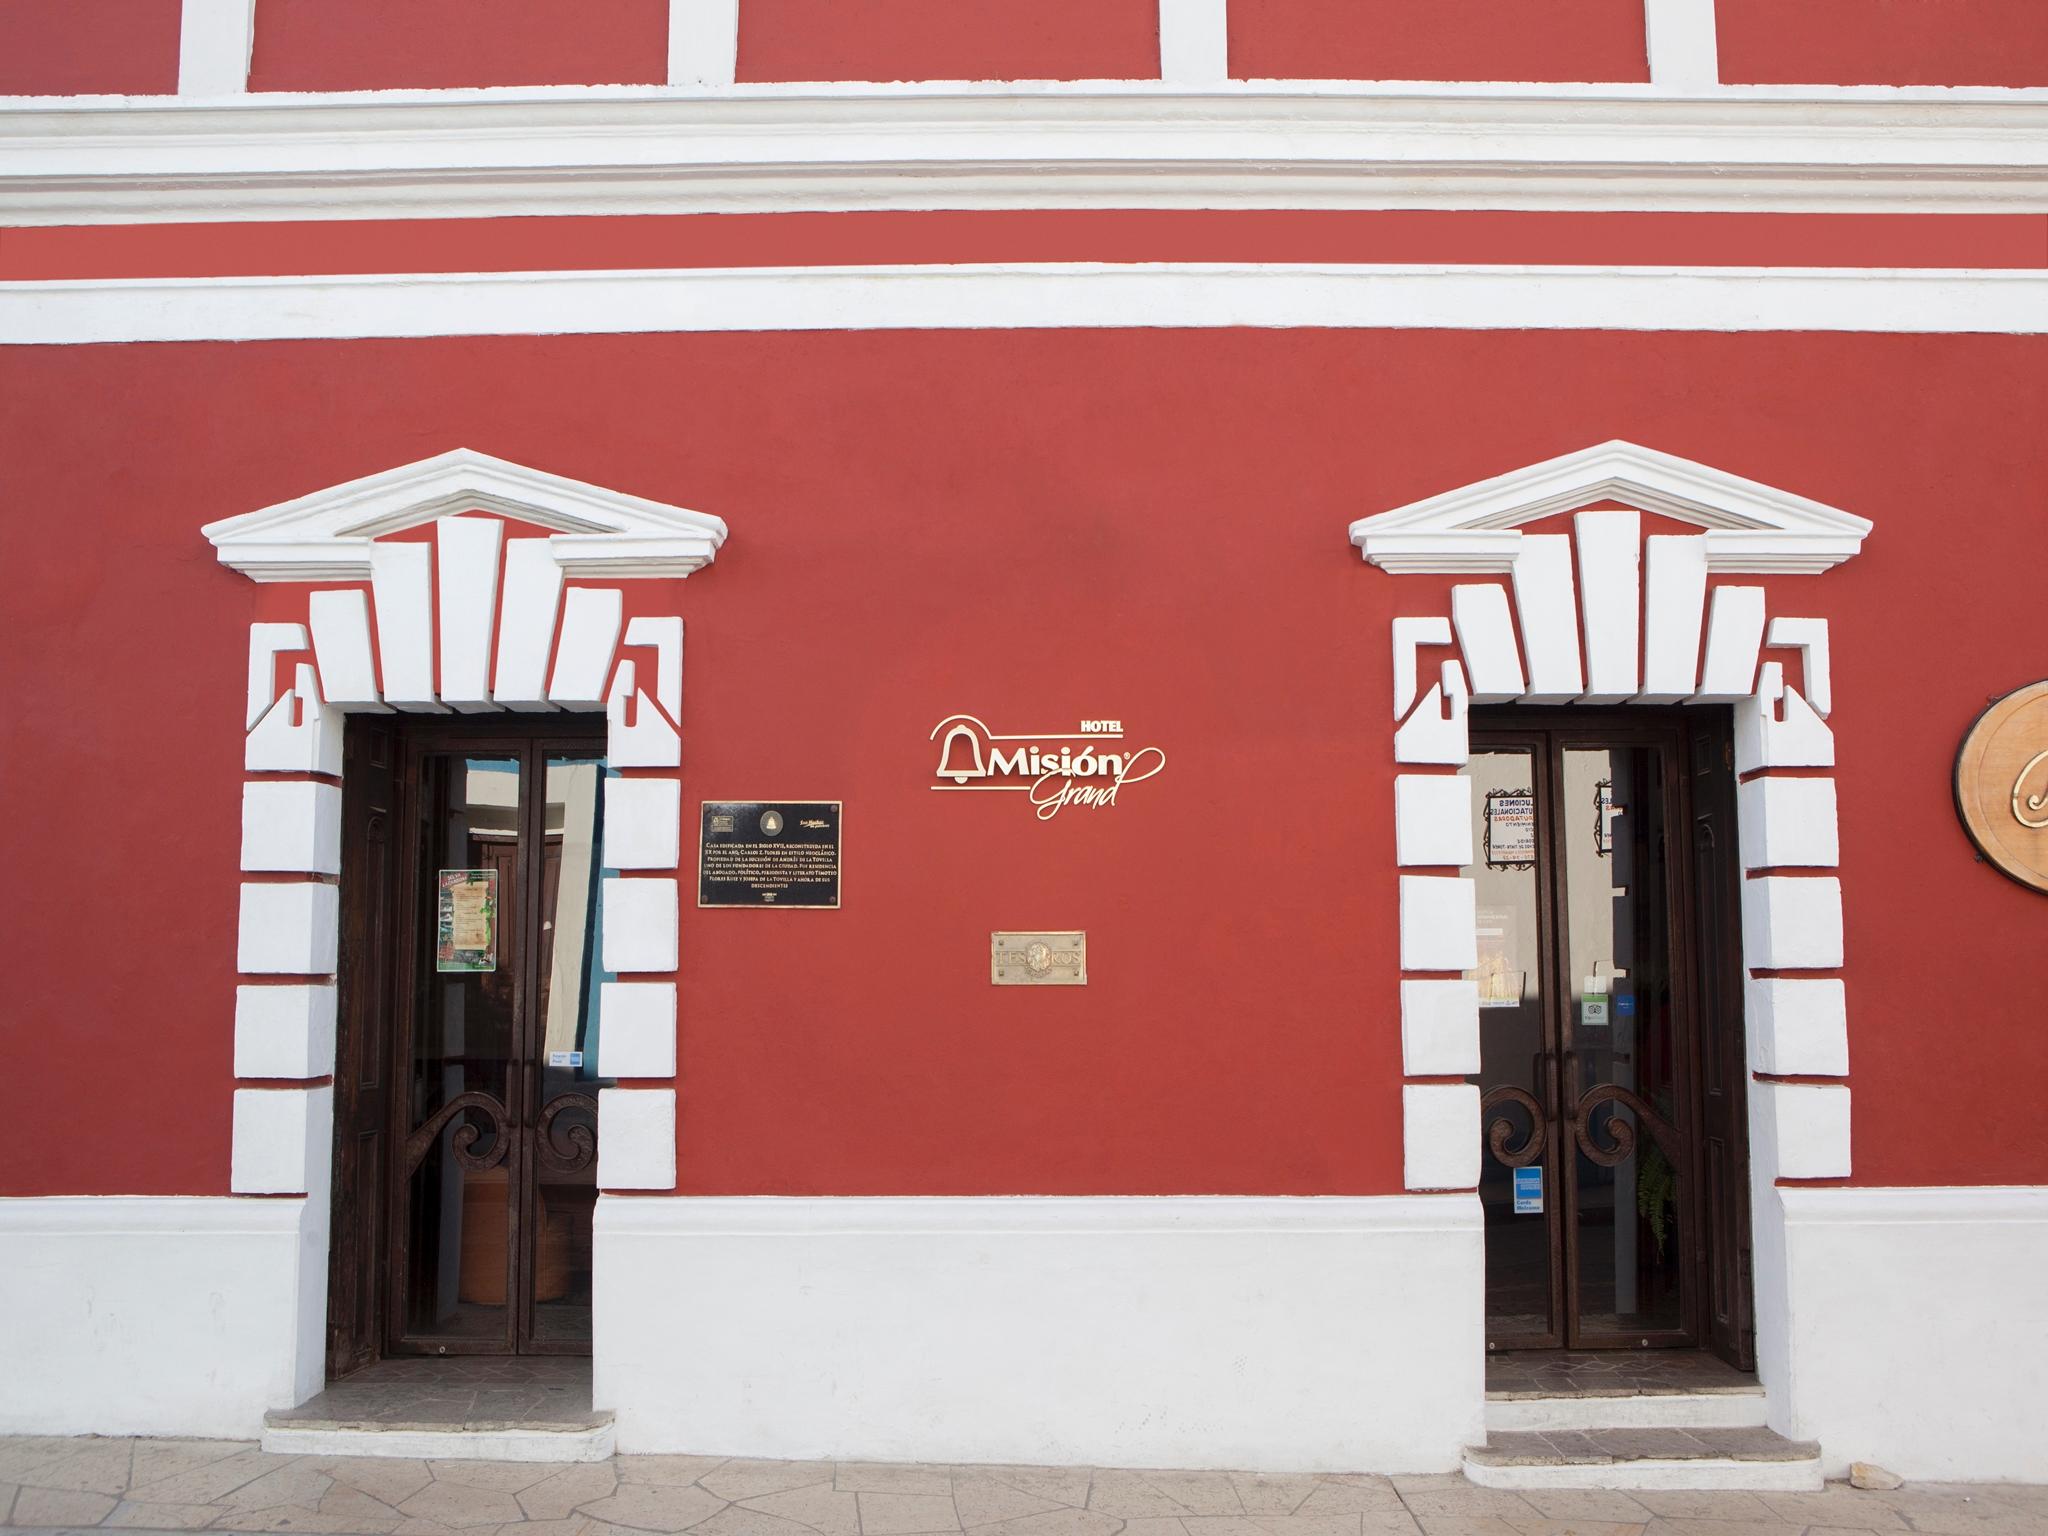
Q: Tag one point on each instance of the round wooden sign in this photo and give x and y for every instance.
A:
(2002, 784)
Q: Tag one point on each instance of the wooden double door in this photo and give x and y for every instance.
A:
(465, 1078)
(1613, 1125)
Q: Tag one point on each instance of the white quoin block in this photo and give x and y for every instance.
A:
(636, 1138)
(466, 578)
(283, 742)
(1610, 548)
(637, 1033)
(1194, 42)
(1788, 823)
(287, 929)
(1439, 1028)
(1764, 739)
(591, 620)
(266, 643)
(1675, 607)
(1440, 1135)
(526, 624)
(1436, 733)
(642, 823)
(1432, 819)
(1486, 638)
(401, 582)
(1439, 923)
(1735, 637)
(1810, 638)
(640, 925)
(1410, 635)
(1550, 617)
(284, 1031)
(292, 827)
(1796, 1026)
(340, 620)
(1799, 1130)
(1792, 922)
(647, 740)
(282, 1141)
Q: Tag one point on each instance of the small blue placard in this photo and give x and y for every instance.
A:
(1624, 1003)
(1528, 1191)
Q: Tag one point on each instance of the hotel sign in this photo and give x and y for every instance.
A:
(1085, 767)
(2002, 784)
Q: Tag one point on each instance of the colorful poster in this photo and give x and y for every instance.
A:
(466, 935)
(1510, 829)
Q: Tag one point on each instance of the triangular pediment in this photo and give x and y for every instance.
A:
(327, 536)
(1749, 526)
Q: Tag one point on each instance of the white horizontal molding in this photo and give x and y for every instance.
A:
(1040, 296)
(1749, 526)
(1257, 144)
(330, 534)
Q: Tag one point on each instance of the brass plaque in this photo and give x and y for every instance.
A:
(1038, 959)
(2002, 785)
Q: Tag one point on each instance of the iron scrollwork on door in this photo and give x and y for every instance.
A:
(1500, 1128)
(1621, 1133)
(569, 1148)
(466, 1134)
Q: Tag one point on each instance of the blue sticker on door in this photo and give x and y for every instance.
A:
(1528, 1191)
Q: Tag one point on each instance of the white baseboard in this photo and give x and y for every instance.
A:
(151, 1315)
(1264, 1333)
(545, 1445)
(1917, 1334)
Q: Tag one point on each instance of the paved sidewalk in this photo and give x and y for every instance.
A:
(231, 1486)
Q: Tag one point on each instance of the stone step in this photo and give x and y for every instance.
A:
(295, 1432)
(1740, 1407)
(1624, 1458)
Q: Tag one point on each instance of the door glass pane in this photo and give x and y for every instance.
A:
(1512, 1076)
(565, 1167)
(1622, 1035)
(462, 1166)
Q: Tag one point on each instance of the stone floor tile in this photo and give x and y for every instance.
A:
(1154, 1525)
(1128, 1496)
(1684, 1503)
(1586, 1504)
(1241, 1525)
(463, 1505)
(908, 1477)
(819, 1505)
(389, 1480)
(738, 1520)
(155, 1460)
(1327, 1524)
(497, 1476)
(574, 1525)
(1272, 1494)
(669, 1471)
(1668, 1525)
(1201, 1493)
(60, 1506)
(1350, 1499)
(1411, 1482)
(291, 1483)
(907, 1514)
(983, 1500)
(203, 1485)
(20, 1452)
(565, 1489)
(1838, 1504)
(96, 1466)
(1067, 1486)
(1470, 1500)
(1466, 1525)
(416, 1527)
(1574, 1527)
(1387, 1523)
(298, 1517)
(646, 1507)
(352, 1503)
(7, 1493)
(1056, 1522)
(741, 1479)
(162, 1517)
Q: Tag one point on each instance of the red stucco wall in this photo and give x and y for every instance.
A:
(1036, 527)
(1883, 42)
(1459, 40)
(949, 40)
(88, 47)
(367, 45)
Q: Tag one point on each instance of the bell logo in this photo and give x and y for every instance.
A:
(1046, 765)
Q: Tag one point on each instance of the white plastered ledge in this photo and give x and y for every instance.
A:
(1274, 1333)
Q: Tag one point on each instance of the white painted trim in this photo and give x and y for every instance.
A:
(1796, 1026)
(1244, 144)
(703, 42)
(1439, 1027)
(1194, 42)
(1432, 819)
(1800, 1131)
(637, 1029)
(287, 928)
(1440, 1136)
(1685, 54)
(521, 1445)
(1438, 925)
(1410, 635)
(642, 823)
(291, 826)
(640, 917)
(1667, 1410)
(283, 1141)
(1749, 526)
(215, 39)
(1801, 1476)
(890, 1317)
(1788, 823)
(329, 534)
(636, 1138)
(1792, 922)
(285, 1030)
(1079, 295)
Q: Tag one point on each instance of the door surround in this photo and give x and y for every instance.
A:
(433, 595)
(1653, 628)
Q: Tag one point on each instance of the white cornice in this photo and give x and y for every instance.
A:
(1016, 296)
(1751, 526)
(328, 535)
(1254, 145)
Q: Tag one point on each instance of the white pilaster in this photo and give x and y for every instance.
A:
(1194, 41)
(636, 1138)
(215, 38)
(703, 41)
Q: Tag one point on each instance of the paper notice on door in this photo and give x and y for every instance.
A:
(467, 931)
